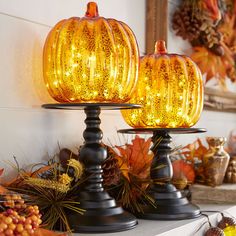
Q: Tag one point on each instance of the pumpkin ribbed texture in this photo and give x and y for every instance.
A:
(90, 59)
(170, 89)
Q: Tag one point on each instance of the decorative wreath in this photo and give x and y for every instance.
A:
(210, 27)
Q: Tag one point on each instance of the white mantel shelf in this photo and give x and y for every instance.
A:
(174, 228)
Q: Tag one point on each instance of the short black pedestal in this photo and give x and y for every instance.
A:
(171, 204)
(102, 214)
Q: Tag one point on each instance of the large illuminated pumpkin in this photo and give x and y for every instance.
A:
(90, 59)
(170, 89)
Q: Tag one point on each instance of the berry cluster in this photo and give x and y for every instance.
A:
(14, 201)
(18, 219)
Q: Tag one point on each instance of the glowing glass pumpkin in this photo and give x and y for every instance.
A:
(169, 88)
(90, 59)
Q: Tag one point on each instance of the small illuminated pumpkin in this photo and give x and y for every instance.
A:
(170, 89)
(90, 59)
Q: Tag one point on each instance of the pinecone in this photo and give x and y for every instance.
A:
(226, 221)
(191, 24)
(214, 231)
(185, 22)
(111, 170)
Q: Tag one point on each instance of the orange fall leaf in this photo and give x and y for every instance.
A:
(136, 158)
(45, 232)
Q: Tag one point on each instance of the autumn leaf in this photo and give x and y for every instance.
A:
(227, 29)
(209, 63)
(25, 174)
(212, 9)
(182, 168)
(3, 190)
(136, 158)
(45, 232)
(194, 150)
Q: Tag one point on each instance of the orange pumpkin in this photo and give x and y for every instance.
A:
(170, 88)
(90, 59)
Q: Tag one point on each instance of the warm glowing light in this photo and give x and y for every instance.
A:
(169, 88)
(95, 59)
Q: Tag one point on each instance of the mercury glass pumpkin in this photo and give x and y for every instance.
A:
(170, 88)
(90, 59)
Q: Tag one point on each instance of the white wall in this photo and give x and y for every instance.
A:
(29, 132)
(26, 130)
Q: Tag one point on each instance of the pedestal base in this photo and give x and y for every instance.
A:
(170, 205)
(102, 215)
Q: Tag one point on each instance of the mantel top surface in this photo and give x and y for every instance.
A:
(171, 228)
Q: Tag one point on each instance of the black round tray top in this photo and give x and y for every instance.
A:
(82, 106)
(167, 130)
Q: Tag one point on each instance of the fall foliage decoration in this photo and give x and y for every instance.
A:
(209, 26)
(52, 187)
(127, 165)
(183, 173)
(204, 164)
(45, 232)
(190, 163)
(19, 217)
(134, 161)
(16, 217)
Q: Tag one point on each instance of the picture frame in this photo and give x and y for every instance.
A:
(157, 28)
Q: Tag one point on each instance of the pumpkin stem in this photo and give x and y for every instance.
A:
(160, 47)
(92, 10)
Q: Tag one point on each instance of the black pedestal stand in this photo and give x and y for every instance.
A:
(102, 214)
(170, 202)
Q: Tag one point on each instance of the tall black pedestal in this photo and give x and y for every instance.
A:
(102, 214)
(170, 203)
